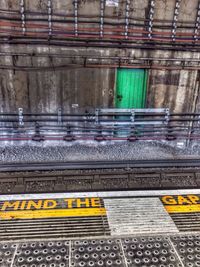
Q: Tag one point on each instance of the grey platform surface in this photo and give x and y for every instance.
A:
(137, 229)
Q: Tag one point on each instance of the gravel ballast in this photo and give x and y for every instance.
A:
(88, 151)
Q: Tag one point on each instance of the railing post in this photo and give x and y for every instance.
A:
(59, 116)
(97, 116)
(20, 117)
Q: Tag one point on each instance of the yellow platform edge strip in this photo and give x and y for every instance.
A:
(183, 208)
(35, 214)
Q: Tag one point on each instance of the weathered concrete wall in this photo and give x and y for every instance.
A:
(45, 91)
(173, 89)
(40, 91)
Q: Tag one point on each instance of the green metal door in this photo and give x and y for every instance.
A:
(131, 87)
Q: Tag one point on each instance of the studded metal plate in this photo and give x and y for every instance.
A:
(103, 252)
(7, 252)
(188, 248)
(42, 254)
(149, 251)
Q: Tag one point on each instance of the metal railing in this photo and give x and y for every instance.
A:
(100, 125)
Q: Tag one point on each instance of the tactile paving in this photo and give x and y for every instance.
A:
(149, 251)
(42, 254)
(7, 251)
(103, 252)
(188, 248)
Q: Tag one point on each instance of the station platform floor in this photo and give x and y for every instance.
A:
(128, 228)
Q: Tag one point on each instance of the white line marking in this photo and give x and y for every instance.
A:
(13, 259)
(176, 252)
(125, 261)
(70, 251)
(153, 193)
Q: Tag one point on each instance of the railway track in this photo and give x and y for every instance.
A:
(71, 165)
(99, 176)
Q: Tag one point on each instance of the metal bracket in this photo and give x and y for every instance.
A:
(102, 7)
(167, 115)
(20, 117)
(76, 17)
(197, 24)
(151, 17)
(97, 116)
(59, 116)
(175, 20)
(133, 115)
(23, 17)
(127, 18)
(50, 16)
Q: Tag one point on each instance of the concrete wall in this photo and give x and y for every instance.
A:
(72, 88)
(47, 90)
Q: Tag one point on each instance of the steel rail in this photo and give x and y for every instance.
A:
(93, 120)
(81, 165)
(89, 114)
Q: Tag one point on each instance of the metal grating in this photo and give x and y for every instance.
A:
(42, 254)
(187, 222)
(52, 226)
(149, 251)
(102, 252)
(65, 227)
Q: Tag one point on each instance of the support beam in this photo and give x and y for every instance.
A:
(197, 24)
(151, 17)
(23, 16)
(175, 19)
